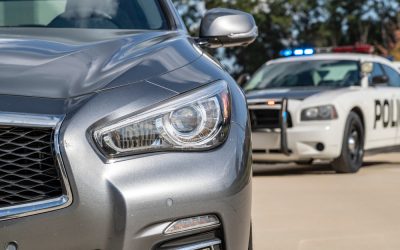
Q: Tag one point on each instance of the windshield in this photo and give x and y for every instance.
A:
(89, 14)
(324, 73)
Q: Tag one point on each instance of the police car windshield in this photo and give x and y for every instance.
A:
(306, 74)
(88, 14)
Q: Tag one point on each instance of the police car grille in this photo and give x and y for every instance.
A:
(267, 119)
(28, 168)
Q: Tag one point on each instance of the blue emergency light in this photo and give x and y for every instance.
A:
(309, 51)
(297, 52)
(286, 52)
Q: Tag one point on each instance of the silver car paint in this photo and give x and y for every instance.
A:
(127, 204)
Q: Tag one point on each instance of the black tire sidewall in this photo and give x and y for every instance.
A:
(344, 164)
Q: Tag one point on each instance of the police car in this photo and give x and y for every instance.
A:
(331, 106)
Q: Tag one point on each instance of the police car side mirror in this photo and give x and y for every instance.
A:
(380, 80)
(367, 67)
(227, 28)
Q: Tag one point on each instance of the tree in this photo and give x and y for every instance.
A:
(293, 23)
(192, 12)
(274, 27)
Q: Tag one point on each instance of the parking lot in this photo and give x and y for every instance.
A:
(312, 208)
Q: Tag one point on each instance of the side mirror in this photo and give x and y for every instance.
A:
(380, 80)
(367, 67)
(227, 28)
(243, 79)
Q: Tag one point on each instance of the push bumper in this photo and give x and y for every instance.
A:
(316, 140)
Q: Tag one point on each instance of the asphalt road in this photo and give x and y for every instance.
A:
(312, 208)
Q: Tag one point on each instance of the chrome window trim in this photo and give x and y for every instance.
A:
(29, 209)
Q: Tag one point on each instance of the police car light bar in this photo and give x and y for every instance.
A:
(286, 52)
(297, 52)
(359, 48)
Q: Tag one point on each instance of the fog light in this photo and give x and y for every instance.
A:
(320, 147)
(193, 223)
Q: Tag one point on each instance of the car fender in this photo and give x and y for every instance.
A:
(380, 125)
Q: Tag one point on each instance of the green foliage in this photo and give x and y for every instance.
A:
(273, 28)
(290, 23)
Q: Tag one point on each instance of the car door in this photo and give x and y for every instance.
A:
(394, 85)
(382, 130)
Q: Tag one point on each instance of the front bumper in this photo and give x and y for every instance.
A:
(128, 204)
(304, 142)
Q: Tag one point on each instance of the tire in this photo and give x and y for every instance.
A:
(352, 155)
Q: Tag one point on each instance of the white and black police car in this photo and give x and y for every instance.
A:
(333, 107)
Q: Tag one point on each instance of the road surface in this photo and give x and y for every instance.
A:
(312, 208)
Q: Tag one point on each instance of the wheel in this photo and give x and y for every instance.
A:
(351, 158)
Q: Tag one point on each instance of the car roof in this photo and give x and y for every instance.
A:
(396, 64)
(334, 56)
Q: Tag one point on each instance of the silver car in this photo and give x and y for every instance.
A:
(117, 131)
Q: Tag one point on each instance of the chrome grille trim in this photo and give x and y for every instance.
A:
(197, 246)
(29, 120)
(29, 209)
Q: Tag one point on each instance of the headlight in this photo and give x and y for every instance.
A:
(196, 121)
(321, 113)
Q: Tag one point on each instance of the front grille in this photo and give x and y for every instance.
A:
(267, 119)
(28, 167)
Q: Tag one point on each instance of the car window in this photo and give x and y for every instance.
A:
(311, 73)
(377, 71)
(394, 77)
(91, 14)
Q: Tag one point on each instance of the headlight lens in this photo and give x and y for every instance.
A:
(321, 113)
(196, 121)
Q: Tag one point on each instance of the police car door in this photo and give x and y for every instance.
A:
(384, 114)
(394, 84)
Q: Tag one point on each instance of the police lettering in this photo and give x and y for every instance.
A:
(387, 113)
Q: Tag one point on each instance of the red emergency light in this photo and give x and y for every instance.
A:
(359, 48)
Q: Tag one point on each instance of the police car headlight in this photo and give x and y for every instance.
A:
(196, 121)
(321, 113)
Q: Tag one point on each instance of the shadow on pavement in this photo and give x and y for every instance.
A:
(371, 164)
(290, 169)
(285, 169)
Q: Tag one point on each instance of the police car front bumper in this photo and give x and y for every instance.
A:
(309, 140)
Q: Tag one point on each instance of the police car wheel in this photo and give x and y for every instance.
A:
(351, 158)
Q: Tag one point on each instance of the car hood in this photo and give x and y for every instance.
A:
(290, 93)
(66, 63)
